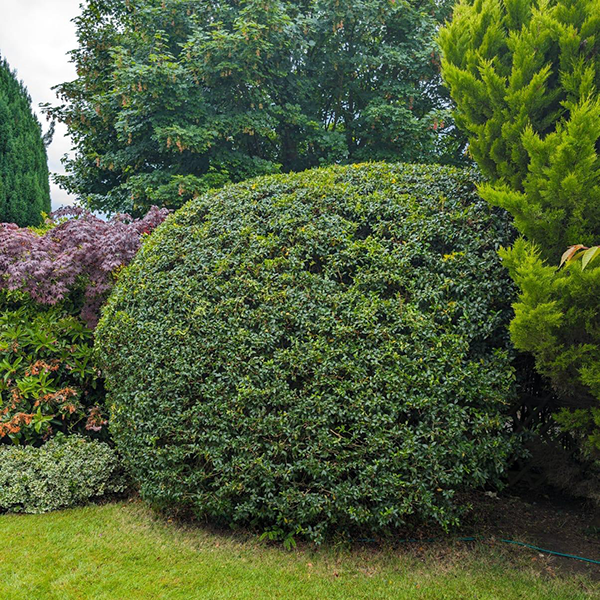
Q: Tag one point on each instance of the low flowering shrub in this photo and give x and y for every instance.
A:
(65, 472)
(316, 352)
(48, 380)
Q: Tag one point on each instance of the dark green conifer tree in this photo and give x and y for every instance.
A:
(24, 188)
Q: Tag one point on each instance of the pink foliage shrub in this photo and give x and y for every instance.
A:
(77, 251)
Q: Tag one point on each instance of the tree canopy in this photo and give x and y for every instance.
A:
(24, 188)
(174, 97)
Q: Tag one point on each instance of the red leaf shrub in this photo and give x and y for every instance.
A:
(77, 251)
(51, 280)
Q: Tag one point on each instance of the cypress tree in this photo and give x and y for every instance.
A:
(525, 76)
(24, 187)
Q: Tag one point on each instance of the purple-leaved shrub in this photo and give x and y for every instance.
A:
(76, 251)
(53, 280)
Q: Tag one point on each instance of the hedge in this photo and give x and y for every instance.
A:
(316, 352)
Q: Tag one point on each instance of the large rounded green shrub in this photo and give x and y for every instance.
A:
(317, 351)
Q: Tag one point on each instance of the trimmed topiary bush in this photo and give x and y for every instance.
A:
(318, 351)
(65, 472)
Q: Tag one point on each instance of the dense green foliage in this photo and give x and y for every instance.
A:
(65, 472)
(318, 351)
(557, 319)
(24, 188)
(174, 97)
(525, 76)
(48, 381)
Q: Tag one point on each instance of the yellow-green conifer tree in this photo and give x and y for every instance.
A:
(525, 76)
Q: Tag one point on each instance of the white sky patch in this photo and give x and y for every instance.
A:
(35, 36)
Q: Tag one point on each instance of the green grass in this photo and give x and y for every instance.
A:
(120, 551)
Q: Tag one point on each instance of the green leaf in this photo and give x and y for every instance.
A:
(589, 255)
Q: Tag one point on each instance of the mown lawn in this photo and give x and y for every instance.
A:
(120, 551)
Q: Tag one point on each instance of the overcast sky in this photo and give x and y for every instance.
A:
(35, 36)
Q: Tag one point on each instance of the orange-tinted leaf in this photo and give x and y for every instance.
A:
(569, 254)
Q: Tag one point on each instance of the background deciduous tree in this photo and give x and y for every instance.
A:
(174, 97)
